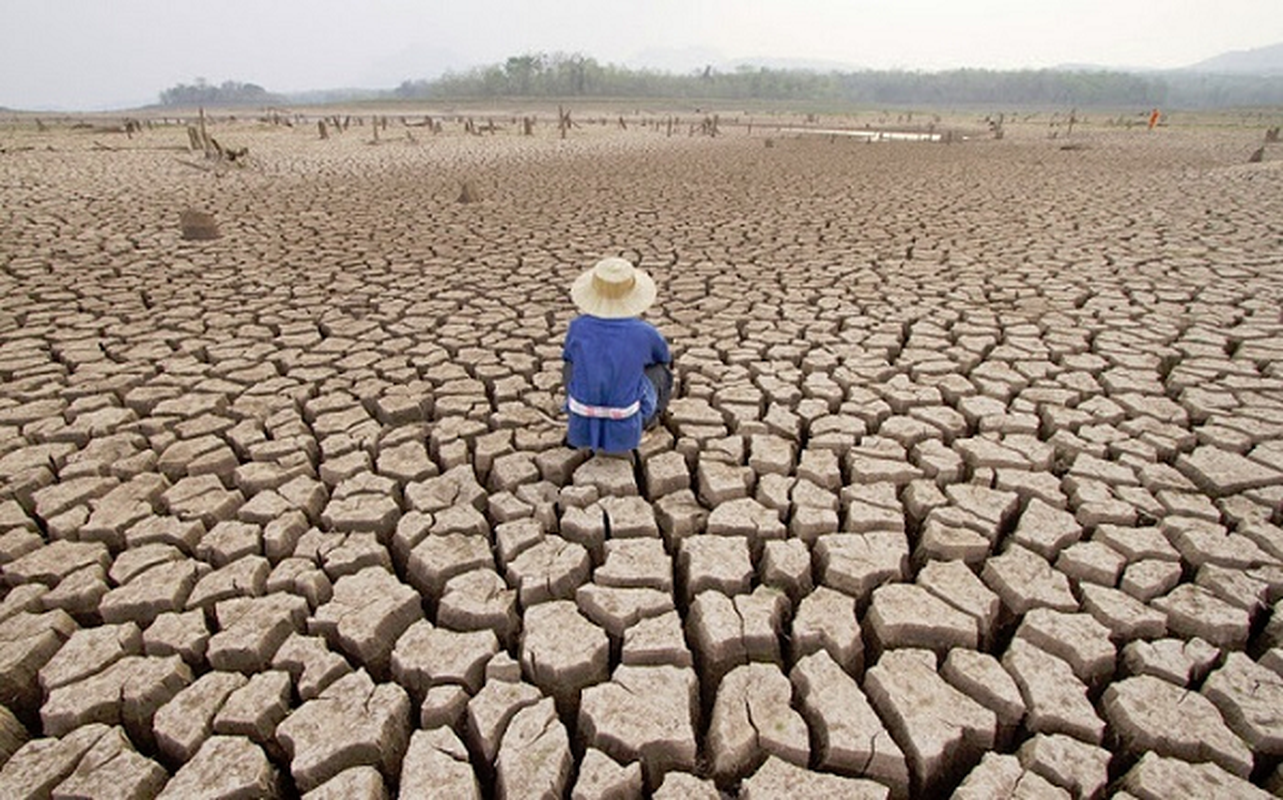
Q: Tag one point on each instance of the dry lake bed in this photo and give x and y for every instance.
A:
(972, 483)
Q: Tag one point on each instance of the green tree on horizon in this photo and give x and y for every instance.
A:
(203, 93)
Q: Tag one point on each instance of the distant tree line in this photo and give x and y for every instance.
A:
(573, 75)
(228, 93)
(1207, 90)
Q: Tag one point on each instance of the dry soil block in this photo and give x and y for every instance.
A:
(752, 719)
(353, 722)
(1150, 714)
(944, 732)
(849, 736)
(562, 652)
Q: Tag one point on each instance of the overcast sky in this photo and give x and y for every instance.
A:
(95, 54)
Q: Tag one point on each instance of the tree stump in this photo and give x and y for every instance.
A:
(198, 225)
(563, 120)
(468, 193)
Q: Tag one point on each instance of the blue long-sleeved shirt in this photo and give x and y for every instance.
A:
(608, 357)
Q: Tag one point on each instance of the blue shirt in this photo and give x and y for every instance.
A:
(608, 358)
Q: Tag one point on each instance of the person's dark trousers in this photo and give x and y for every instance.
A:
(661, 376)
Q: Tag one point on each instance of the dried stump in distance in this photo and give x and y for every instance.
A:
(198, 225)
(469, 193)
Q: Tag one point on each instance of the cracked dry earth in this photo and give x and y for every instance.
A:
(972, 483)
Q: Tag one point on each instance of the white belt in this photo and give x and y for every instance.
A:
(602, 412)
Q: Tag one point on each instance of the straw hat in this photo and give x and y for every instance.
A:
(613, 289)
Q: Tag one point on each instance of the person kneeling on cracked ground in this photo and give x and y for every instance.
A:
(617, 371)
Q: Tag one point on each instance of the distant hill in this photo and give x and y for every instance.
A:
(1264, 61)
(676, 60)
(1086, 67)
(804, 64)
(1259, 61)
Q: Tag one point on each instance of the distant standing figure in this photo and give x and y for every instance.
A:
(1153, 118)
(617, 369)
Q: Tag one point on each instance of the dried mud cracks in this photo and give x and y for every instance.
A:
(972, 482)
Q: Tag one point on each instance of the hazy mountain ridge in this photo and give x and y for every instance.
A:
(1264, 61)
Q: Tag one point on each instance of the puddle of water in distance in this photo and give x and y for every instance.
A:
(874, 136)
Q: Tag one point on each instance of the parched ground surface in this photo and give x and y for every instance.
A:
(972, 483)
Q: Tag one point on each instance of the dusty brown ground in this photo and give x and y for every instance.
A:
(973, 480)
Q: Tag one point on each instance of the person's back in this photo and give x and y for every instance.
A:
(617, 379)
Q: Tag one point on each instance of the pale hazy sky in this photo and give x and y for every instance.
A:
(94, 54)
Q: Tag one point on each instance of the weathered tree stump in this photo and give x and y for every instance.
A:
(207, 143)
(198, 225)
(469, 193)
